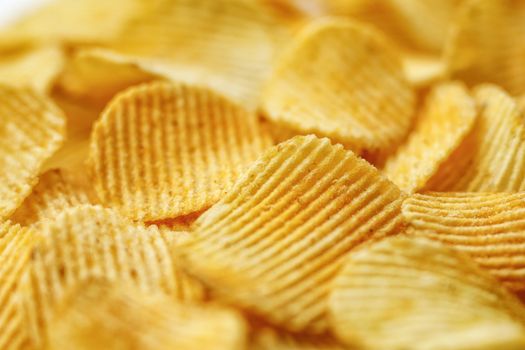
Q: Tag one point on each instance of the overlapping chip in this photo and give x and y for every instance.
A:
(36, 68)
(342, 80)
(15, 246)
(492, 157)
(162, 151)
(273, 244)
(488, 227)
(487, 46)
(423, 70)
(56, 191)
(448, 116)
(271, 339)
(226, 45)
(91, 241)
(31, 130)
(412, 293)
(99, 315)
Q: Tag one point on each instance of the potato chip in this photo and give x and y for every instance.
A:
(162, 151)
(488, 227)
(56, 191)
(15, 245)
(91, 241)
(446, 119)
(97, 75)
(80, 115)
(273, 244)
(99, 315)
(31, 130)
(271, 339)
(73, 22)
(35, 68)
(492, 158)
(412, 24)
(225, 45)
(412, 293)
(486, 44)
(423, 70)
(323, 86)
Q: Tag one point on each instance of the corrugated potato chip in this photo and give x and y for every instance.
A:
(487, 46)
(488, 227)
(162, 151)
(31, 130)
(91, 241)
(15, 246)
(445, 120)
(412, 293)
(226, 45)
(98, 315)
(492, 157)
(273, 244)
(56, 191)
(36, 68)
(342, 80)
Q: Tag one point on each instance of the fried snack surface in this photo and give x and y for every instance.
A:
(160, 151)
(275, 242)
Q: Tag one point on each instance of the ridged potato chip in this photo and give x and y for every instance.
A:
(341, 80)
(72, 22)
(162, 151)
(488, 227)
(492, 157)
(225, 45)
(273, 244)
(487, 46)
(91, 241)
(100, 315)
(36, 68)
(15, 246)
(56, 191)
(448, 116)
(31, 130)
(412, 293)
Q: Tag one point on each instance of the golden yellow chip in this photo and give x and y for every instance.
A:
(411, 24)
(80, 115)
(492, 157)
(73, 22)
(423, 70)
(96, 75)
(35, 68)
(271, 339)
(161, 151)
(15, 246)
(31, 130)
(91, 241)
(342, 80)
(488, 227)
(413, 293)
(99, 315)
(446, 119)
(273, 244)
(487, 46)
(56, 191)
(225, 45)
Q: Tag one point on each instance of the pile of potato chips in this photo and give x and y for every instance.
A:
(263, 174)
